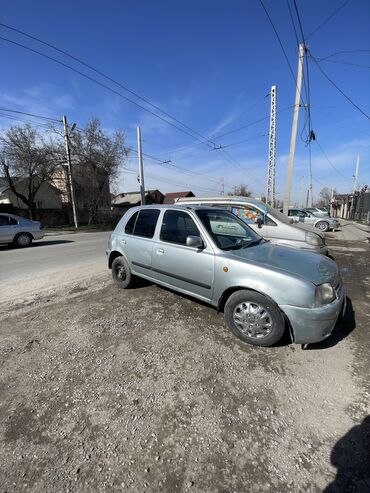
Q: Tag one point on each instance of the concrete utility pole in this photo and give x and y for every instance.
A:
(222, 185)
(69, 166)
(270, 191)
(141, 167)
(355, 182)
(293, 139)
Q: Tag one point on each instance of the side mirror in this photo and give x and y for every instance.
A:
(194, 241)
(260, 221)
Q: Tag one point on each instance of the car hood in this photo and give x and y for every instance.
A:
(307, 227)
(310, 266)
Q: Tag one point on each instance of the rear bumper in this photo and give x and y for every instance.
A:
(314, 324)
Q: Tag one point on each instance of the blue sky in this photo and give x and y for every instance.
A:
(206, 63)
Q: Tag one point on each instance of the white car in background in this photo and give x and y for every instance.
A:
(267, 222)
(19, 231)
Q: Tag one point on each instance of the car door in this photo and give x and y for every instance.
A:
(136, 240)
(188, 269)
(7, 228)
(250, 215)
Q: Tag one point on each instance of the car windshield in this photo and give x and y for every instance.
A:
(278, 215)
(227, 231)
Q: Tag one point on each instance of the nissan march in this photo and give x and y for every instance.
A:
(210, 254)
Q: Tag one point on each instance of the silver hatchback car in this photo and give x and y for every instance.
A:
(262, 288)
(18, 230)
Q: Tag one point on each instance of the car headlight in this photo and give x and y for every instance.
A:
(325, 294)
(313, 239)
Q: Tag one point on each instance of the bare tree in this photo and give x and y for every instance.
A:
(241, 190)
(97, 158)
(325, 197)
(30, 158)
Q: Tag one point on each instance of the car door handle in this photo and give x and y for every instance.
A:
(160, 251)
(123, 242)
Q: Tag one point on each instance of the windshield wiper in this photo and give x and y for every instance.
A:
(253, 242)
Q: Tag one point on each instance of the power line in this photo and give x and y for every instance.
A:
(102, 74)
(253, 123)
(237, 164)
(341, 53)
(279, 40)
(92, 79)
(328, 160)
(30, 114)
(339, 89)
(341, 62)
(328, 19)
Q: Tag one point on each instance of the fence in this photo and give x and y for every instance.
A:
(355, 206)
(64, 216)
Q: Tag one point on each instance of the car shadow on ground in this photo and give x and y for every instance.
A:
(351, 457)
(36, 244)
(344, 326)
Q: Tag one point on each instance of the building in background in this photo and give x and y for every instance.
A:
(131, 199)
(170, 198)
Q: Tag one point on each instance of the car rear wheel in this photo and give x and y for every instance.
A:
(121, 273)
(254, 318)
(23, 240)
(322, 225)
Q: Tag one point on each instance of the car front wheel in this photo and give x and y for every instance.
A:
(322, 225)
(254, 318)
(121, 273)
(23, 240)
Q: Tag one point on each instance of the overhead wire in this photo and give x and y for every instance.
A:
(338, 88)
(329, 161)
(328, 18)
(107, 77)
(95, 81)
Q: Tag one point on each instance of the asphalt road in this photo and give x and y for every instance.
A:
(51, 262)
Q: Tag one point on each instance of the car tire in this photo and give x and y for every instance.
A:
(23, 240)
(121, 273)
(322, 226)
(254, 318)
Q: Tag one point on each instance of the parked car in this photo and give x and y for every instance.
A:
(320, 211)
(323, 223)
(267, 222)
(18, 230)
(210, 254)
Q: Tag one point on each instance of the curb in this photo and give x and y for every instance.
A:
(362, 227)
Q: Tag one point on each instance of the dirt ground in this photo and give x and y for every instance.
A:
(146, 390)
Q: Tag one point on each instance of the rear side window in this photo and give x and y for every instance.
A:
(6, 220)
(143, 223)
(129, 229)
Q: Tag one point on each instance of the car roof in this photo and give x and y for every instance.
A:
(180, 207)
(230, 199)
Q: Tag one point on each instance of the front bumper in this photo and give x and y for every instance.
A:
(314, 324)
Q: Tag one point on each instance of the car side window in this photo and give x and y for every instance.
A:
(247, 214)
(176, 226)
(269, 221)
(146, 223)
(4, 221)
(12, 221)
(130, 225)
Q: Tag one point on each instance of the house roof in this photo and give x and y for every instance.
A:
(131, 198)
(169, 197)
(4, 184)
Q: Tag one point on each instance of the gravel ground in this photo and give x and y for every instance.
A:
(146, 390)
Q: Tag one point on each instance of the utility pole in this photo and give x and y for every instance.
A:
(293, 139)
(222, 185)
(69, 166)
(355, 182)
(331, 201)
(141, 168)
(270, 191)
